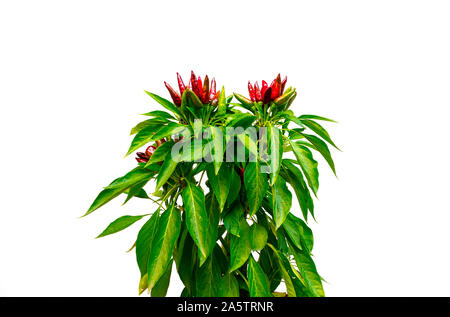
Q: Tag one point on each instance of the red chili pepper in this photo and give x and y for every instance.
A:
(263, 89)
(194, 83)
(276, 88)
(212, 91)
(257, 92)
(149, 151)
(181, 84)
(251, 91)
(267, 95)
(205, 94)
(141, 160)
(283, 84)
(175, 96)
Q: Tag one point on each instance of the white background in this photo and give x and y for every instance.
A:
(72, 80)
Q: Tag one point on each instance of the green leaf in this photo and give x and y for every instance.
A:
(220, 183)
(120, 224)
(322, 148)
(243, 120)
(213, 211)
(311, 116)
(164, 242)
(235, 185)
(144, 242)
(160, 288)
(160, 153)
(222, 105)
(240, 248)
(228, 286)
(151, 124)
(298, 232)
(159, 114)
(207, 278)
(256, 185)
(196, 217)
(285, 268)
(135, 190)
(319, 130)
(295, 177)
(166, 171)
(149, 134)
(165, 103)
(257, 280)
(308, 165)
(119, 186)
(186, 260)
(276, 152)
(282, 201)
(218, 148)
(309, 273)
(232, 219)
(258, 237)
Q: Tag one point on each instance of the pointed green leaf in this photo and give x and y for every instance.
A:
(257, 280)
(163, 244)
(298, 232)
(160, 153)
(235, 187)
(166, 171)
(275, 151)
(322, 148)
(308, 165)
(309, 273)
(144, 242)
(220, 183)
(256, 185)
(165, 103)
(159, 114)
(228, 286)
(196, 217)
(232, 219)
(240, 248)
(120, 224)
(282, 201)
(311, 116)
(218, 147)
(160, 288)
(319, 130)
(222, 105)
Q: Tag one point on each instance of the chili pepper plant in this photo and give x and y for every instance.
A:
(225, 170)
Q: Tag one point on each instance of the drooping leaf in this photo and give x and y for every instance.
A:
(166, 171)
(218, 149)
(207, 278)
(186, 260)
(144, 242)
(282, 201)
(258, 237)
(220, 183)
(298, 232)
(256, 185)
(120, 224)
(275, 151)
(322, 148)
(319, 130)
(294, 177)
(119, 186)
(150, 124)
(308, 271)
(235, 187)
(240, 248)
(163, 244)
(307, 164)
(213, 212)
(196, 217)
(228, 286)
(160, 288)
(232, 219)
(257, 280)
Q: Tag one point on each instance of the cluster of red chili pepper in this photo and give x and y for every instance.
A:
(143, 157)
(267, 93)
(205, 91)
